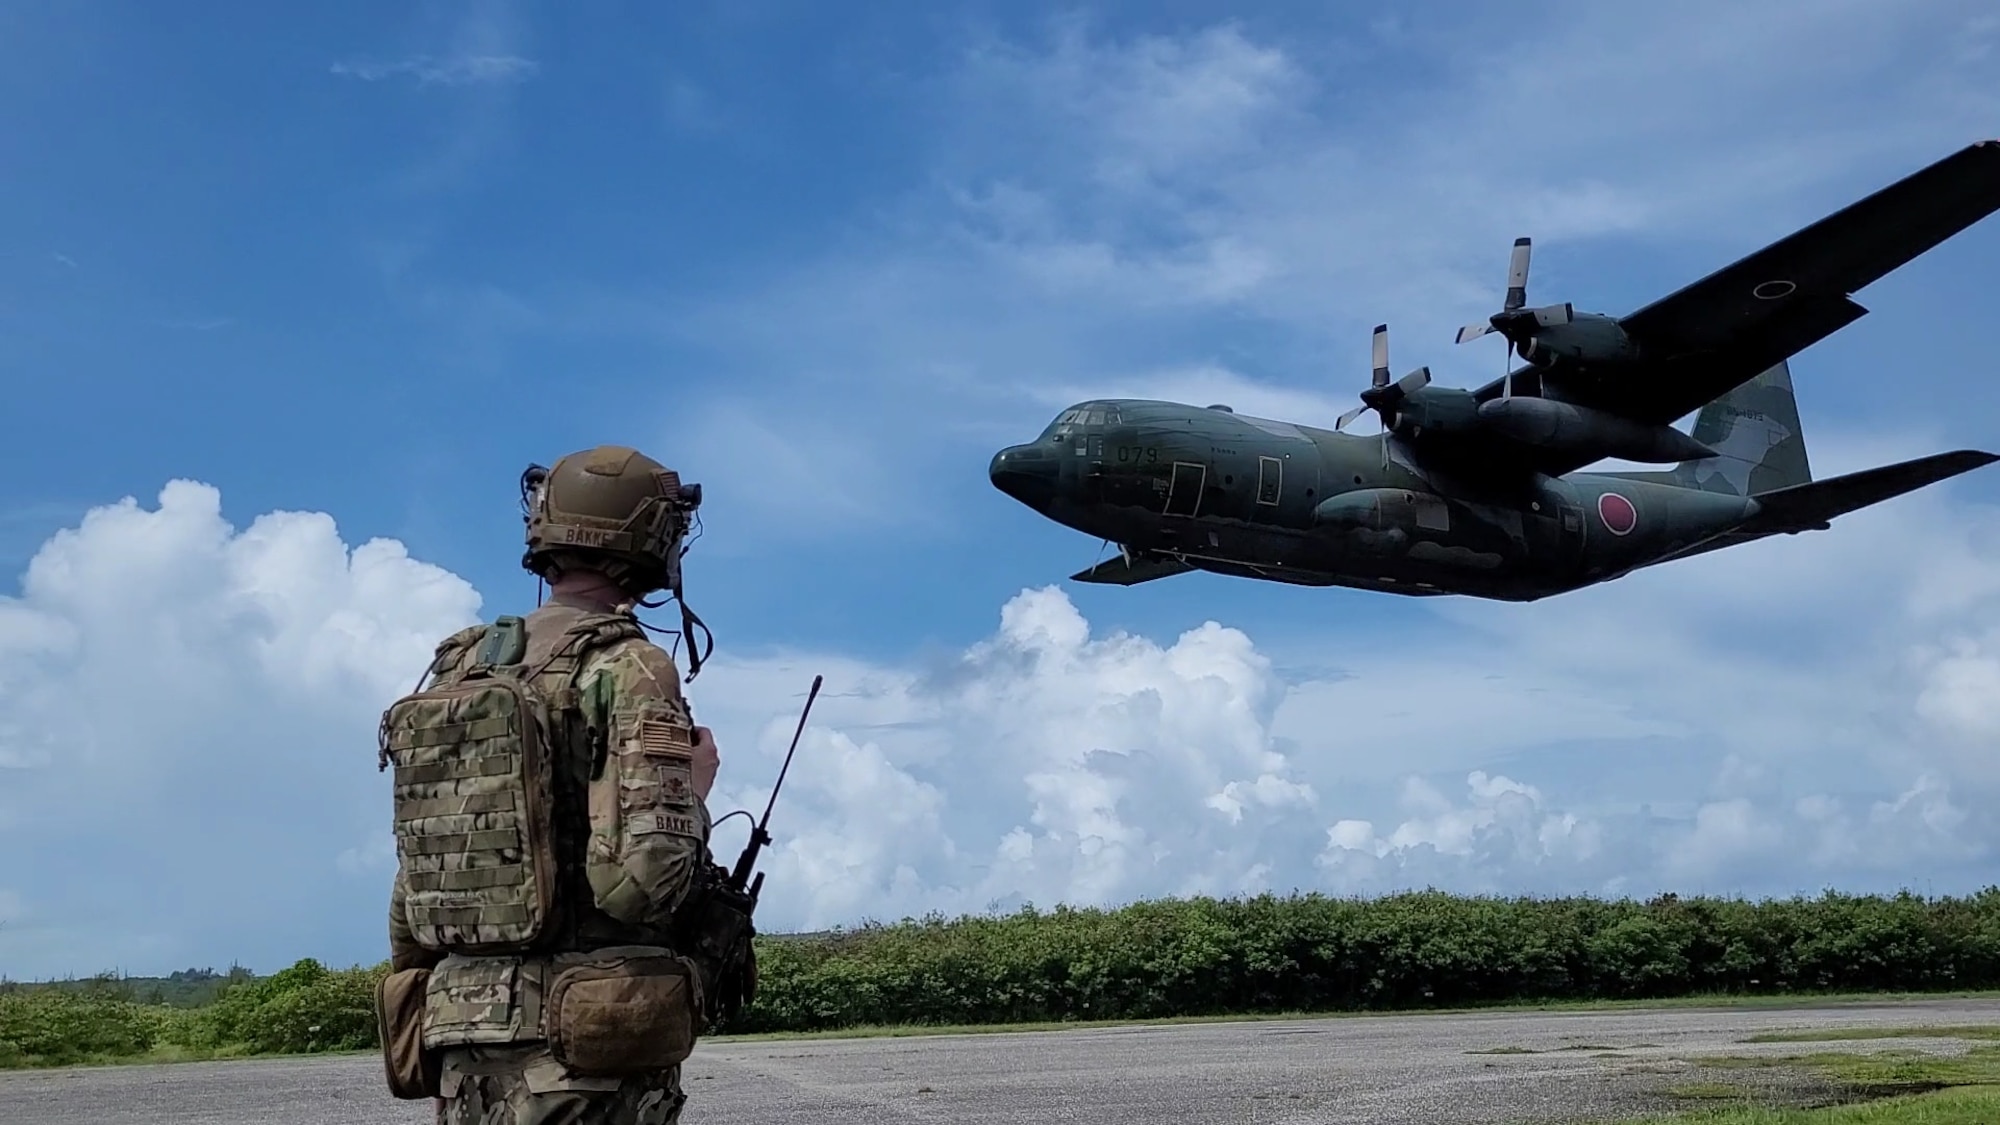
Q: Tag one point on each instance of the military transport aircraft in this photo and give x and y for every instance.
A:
(1477, 492)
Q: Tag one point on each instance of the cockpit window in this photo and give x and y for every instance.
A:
(1069, 420)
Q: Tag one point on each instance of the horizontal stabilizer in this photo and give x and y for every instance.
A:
(1812, 507)
(1141, 568)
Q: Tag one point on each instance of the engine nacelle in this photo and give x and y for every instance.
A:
(1587, 432)
(1586, 340)
(1437, 411)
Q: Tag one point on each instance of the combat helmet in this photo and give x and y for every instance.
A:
(612, 509)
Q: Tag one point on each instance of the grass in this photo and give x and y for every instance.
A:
(1875, 1088)
(1966, 1106)
(1849, 1034)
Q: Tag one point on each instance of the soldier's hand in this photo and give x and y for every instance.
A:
(706, 761)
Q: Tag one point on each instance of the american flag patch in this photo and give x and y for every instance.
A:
(662, 739)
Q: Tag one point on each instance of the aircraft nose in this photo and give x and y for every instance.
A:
(1025, 472)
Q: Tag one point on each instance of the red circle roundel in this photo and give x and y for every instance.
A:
(1618, 514)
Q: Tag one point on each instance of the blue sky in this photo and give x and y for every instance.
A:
(361, 266)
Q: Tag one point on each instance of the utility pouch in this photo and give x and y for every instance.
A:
(484, 1001)
(626, 1010)
(412, 1069)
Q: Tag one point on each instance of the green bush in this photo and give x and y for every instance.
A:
(1195, 956)
(1313, 953)
(55, 1028)
(305, 1008)
(302, 1009)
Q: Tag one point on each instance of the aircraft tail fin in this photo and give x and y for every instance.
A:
(1755, 432)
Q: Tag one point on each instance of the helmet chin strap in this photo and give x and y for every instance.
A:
(690, 621)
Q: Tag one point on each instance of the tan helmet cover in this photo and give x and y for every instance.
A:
(612, 509)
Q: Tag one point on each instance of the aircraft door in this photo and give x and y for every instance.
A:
(1184, 494)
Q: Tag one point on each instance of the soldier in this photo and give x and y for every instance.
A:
(550, 813)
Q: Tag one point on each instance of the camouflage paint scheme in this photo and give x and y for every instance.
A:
(1477, 492)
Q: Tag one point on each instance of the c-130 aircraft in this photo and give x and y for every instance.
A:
(1477, 492)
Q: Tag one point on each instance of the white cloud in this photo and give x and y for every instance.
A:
(462, 70)
(480, 52)
(1963, 689)
(188, 742)
(1686, 731)
(484, 47)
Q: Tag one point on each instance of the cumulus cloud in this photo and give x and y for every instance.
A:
(188, 739)
(189, 743)
(1680, 730)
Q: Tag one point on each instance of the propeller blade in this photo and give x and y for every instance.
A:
(1381, 377)
(1474, 331)
(1350, 416)
(1414, 381)
(1517, 274)
(1555, 314)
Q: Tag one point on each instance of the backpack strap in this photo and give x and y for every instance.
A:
(556, 674)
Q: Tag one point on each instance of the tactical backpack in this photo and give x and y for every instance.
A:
(475, 763)
(490, 824)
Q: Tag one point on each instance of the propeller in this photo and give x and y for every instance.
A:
(1515, 322)
(1382, 396)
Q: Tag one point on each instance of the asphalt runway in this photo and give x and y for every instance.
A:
(1409, 1070)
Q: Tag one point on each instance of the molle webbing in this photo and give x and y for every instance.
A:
(484, 831)
(484, 1000)
(472, 813)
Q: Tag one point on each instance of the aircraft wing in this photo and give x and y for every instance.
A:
(1720, 331)
(1141, 568)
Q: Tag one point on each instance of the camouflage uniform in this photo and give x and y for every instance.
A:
(524, 1085)
(620, 852)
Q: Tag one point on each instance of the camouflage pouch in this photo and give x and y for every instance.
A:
(647, 826)
(483, 1000)
(412, 1070)
(625, 1010)
(472, 813)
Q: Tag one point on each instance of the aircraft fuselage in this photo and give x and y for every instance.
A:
(1238, 495)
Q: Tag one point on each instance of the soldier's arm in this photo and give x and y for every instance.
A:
(649, 826)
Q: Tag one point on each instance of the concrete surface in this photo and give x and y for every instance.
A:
(1407, 1070)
